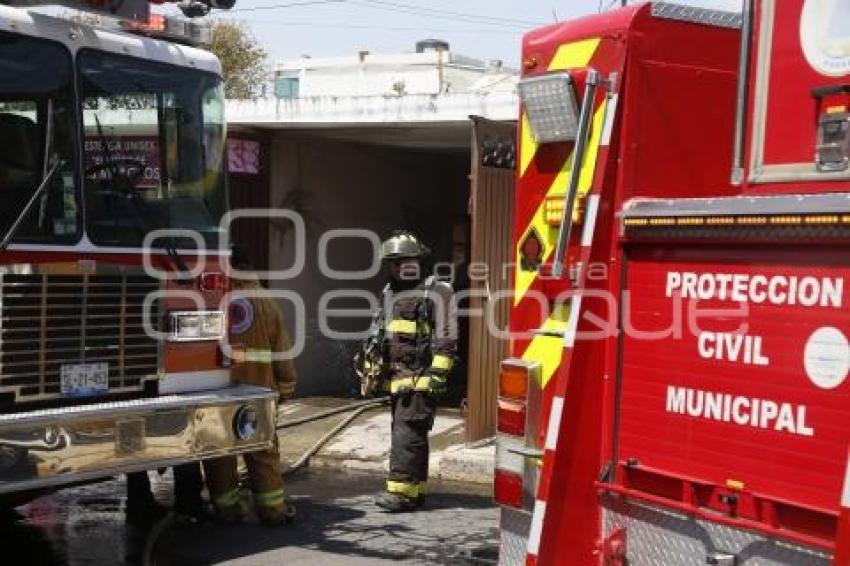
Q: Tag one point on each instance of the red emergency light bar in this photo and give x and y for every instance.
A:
(126, 9)
(179, 30)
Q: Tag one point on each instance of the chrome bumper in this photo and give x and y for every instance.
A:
(57, 446)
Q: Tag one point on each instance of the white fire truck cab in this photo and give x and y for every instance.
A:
(113, 257)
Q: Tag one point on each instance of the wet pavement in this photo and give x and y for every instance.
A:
(336, 524)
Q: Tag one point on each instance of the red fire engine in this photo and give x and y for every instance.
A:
(677, 391)
(113, 189)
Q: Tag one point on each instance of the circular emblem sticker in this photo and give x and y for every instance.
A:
(827, 357)
(825, 36)
(241, 314)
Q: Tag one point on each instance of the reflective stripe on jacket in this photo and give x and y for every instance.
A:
(421, 335)
(264, 338)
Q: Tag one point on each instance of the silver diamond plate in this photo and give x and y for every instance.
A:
(660, 537)
(693, 14)
(513, 527)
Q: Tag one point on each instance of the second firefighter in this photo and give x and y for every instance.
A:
(418, 329)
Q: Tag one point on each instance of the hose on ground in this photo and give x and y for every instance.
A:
(360, 408)
(331, 412)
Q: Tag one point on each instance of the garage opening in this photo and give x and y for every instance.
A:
(377, 179)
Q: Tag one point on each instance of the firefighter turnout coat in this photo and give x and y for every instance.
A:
(259, 340)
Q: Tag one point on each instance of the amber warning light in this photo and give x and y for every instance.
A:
(511, 427)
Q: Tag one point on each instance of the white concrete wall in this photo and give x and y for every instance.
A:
(369, 80)
(329, 110)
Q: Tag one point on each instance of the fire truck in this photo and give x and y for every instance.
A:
(113, 259)
(677, 390)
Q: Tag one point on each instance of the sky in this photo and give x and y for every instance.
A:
(484, 29)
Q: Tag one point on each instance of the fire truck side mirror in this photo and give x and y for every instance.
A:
(833, 138)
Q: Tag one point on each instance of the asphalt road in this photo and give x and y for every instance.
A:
(336, 524)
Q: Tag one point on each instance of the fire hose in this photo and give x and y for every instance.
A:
(358, 407)
(334, 411)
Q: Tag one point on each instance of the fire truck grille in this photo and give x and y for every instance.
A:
(48, 320)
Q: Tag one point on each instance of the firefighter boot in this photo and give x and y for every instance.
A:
(228, 508)
(265, 475)
(396, 502)
(222, 482)
(423, 490)
(274, 511)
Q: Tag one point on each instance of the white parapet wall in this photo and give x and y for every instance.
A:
(333, 111)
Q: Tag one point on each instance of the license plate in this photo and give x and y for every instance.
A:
(82, 380)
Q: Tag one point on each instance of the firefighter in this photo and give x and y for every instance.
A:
(419, 332)
(256, 324)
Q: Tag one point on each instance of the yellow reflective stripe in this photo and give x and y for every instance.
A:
(574, 55)
(557, 321)
(421, 383)
(548, 350)
(402, 326)
(258, 356)
(547, 233)
(272, 498)
(442, 362)
(528, 146)
(227, 499)
(410, 490)
(422, 487)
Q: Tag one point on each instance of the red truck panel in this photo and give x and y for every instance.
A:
(743, 390)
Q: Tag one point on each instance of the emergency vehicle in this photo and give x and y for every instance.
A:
(677, 390)
(112, 275)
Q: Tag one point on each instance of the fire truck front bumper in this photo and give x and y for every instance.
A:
(51, 447)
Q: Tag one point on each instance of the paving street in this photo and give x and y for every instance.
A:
(336, 524)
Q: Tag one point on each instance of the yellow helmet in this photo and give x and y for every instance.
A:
(403, 245)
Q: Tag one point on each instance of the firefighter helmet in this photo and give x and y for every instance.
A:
(403, 245)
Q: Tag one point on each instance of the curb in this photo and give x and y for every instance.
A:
(469, 465)
(456, 464)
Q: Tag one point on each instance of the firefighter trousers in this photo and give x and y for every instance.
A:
(264, 475)
(413, 415)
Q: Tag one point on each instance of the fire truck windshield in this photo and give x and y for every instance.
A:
(36, 118)
(153, 150)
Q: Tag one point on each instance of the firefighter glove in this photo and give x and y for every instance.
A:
(437, 385)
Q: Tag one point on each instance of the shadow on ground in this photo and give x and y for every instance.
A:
(337, 523)
(336, 518)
